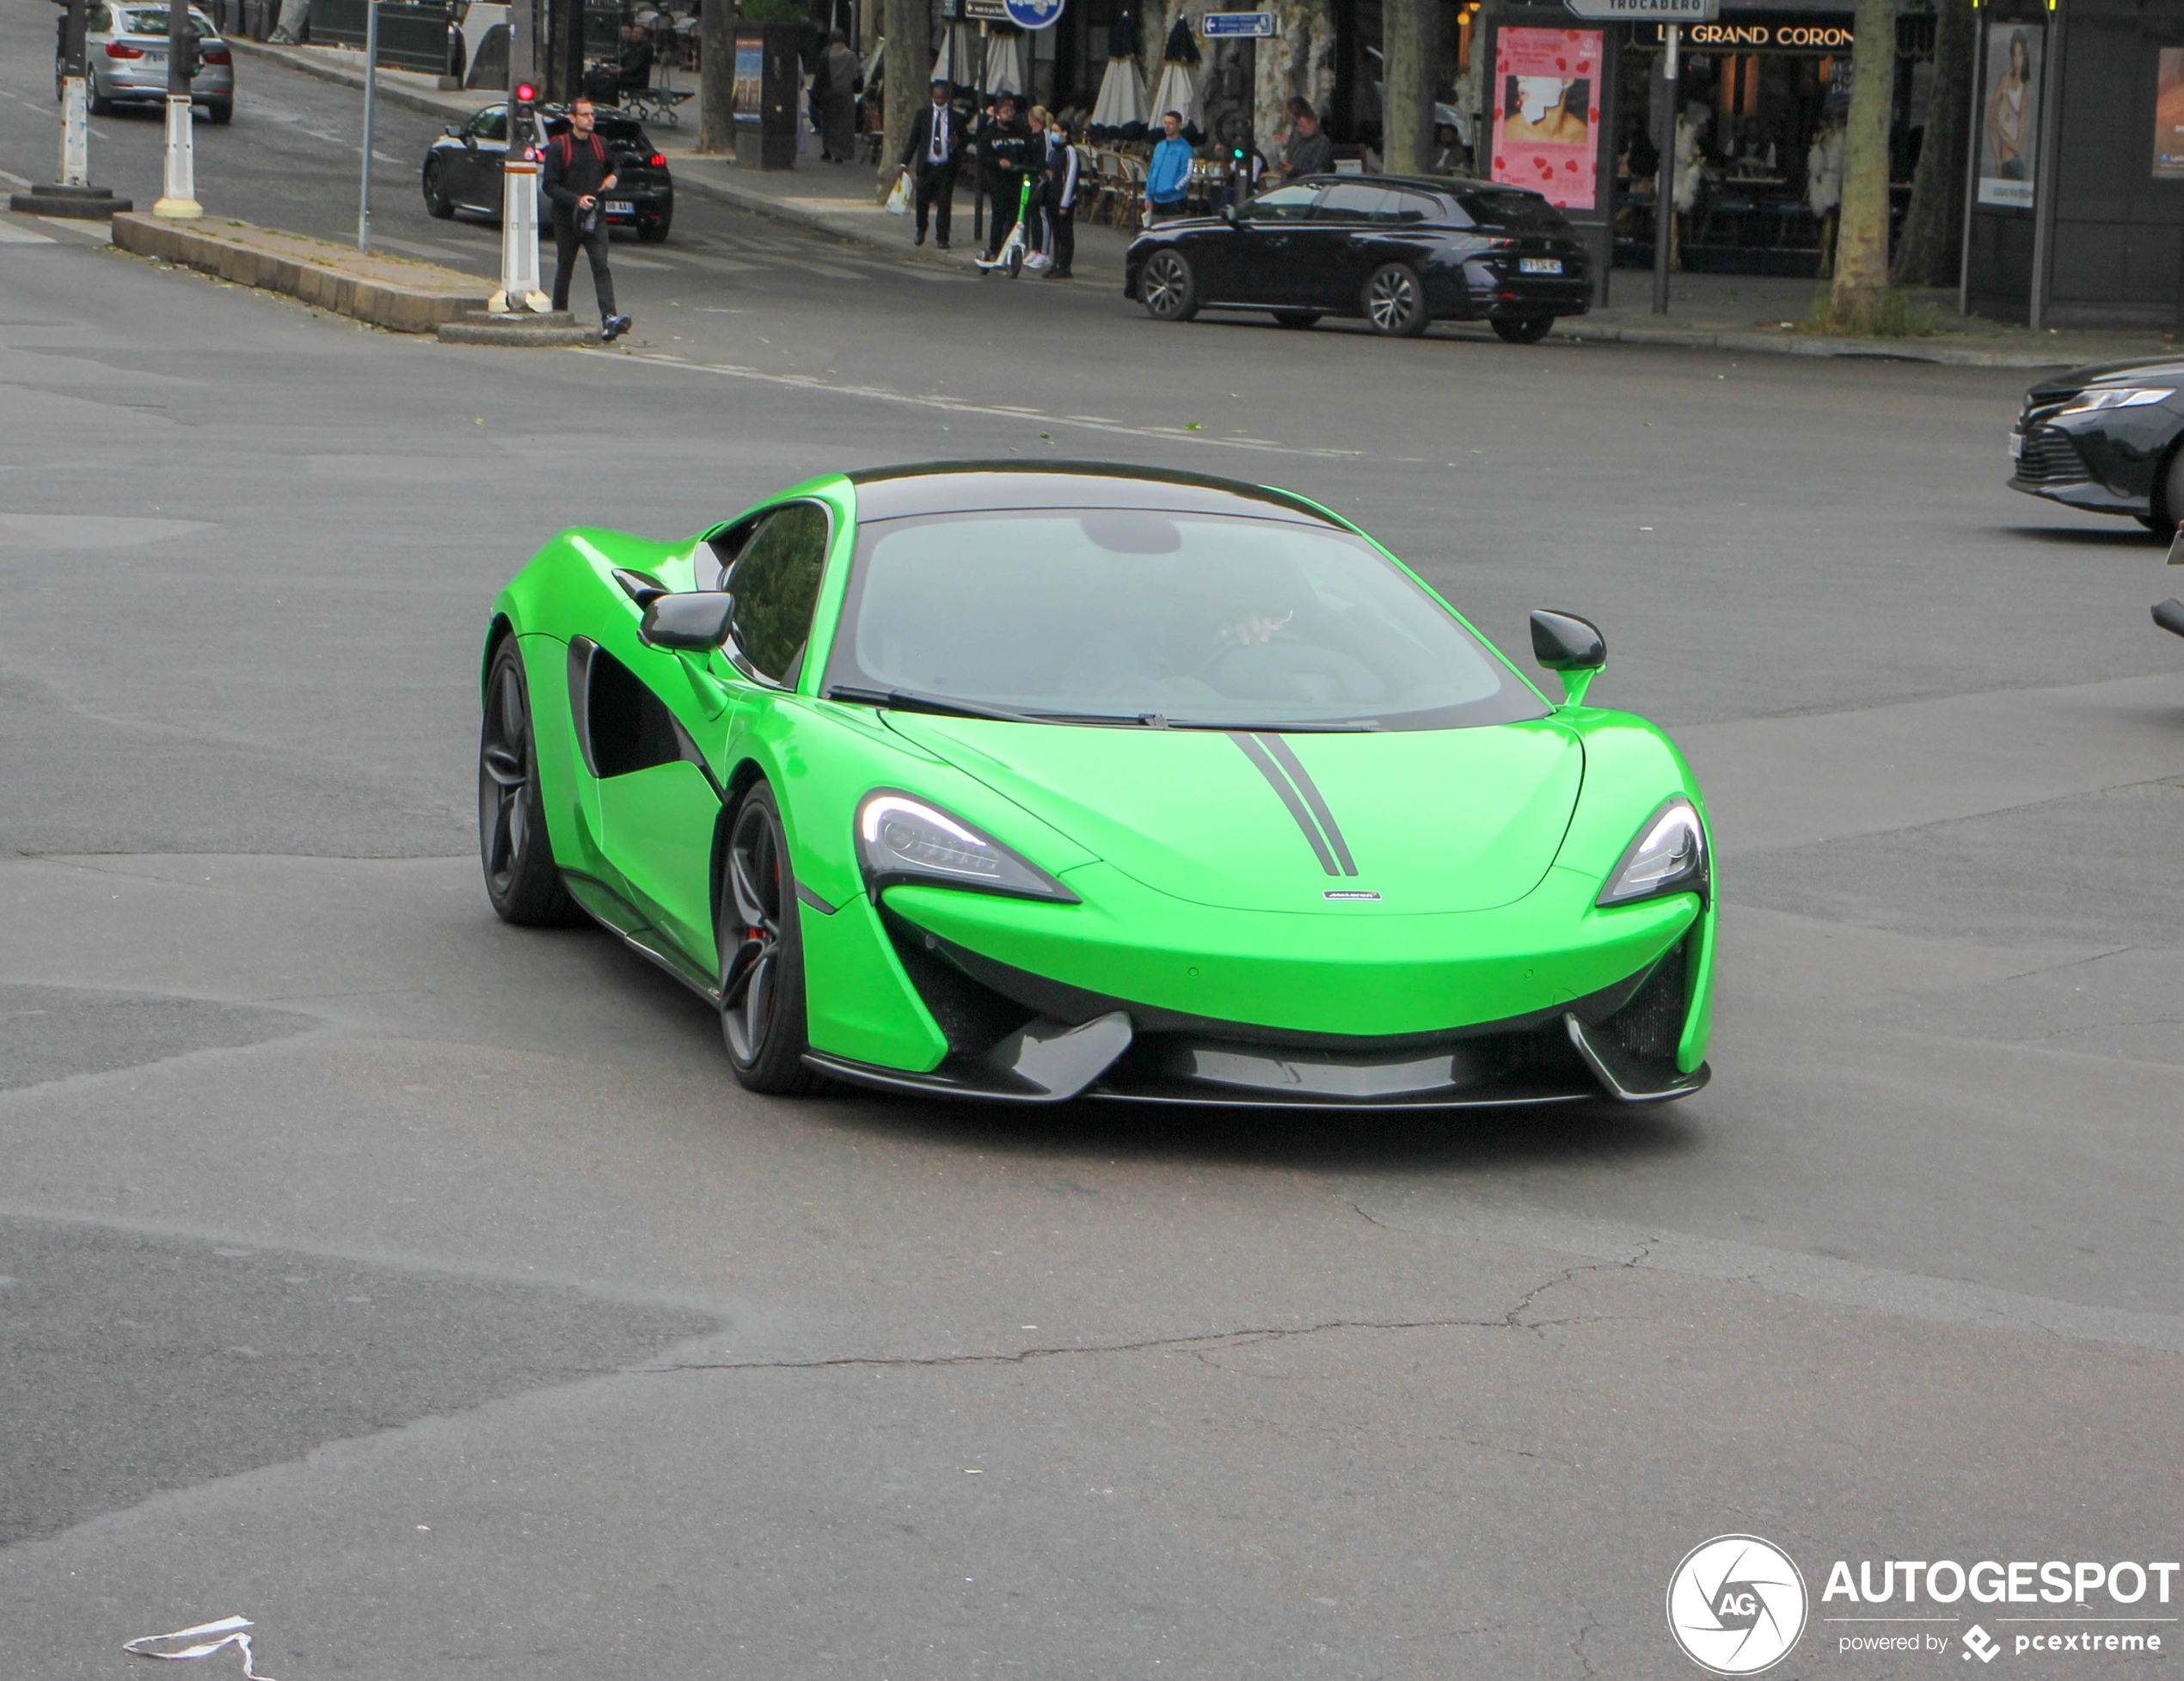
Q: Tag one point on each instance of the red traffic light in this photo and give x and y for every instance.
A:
(525, 92)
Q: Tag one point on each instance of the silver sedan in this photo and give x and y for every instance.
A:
(125, 50)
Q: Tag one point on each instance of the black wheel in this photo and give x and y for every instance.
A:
(520, 876)
(761, 954)
(1296, 317)
(1015, 264)
(100, 105)
(2168, 496)
(220, 110)
(653, 228)
(1522, 329)
(1168, 287)
(436, 202)
(1394, 301)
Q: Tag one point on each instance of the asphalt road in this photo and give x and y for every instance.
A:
(428, 1292)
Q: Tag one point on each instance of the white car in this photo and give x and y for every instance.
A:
(125, 54)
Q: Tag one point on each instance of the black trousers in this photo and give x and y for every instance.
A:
(566, 240)
(1001, 216)
(935, 191)
(1061, 236)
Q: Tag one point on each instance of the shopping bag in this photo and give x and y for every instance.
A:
(899, 198)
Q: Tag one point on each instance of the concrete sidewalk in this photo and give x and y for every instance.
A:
(1752, 315)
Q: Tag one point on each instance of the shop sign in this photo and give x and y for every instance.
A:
(1762, 37)
(1237, 26)
(992, 11)
(1643, 11)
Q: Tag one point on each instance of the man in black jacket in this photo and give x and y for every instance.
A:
(1005, 160)
(933, 154)
(576, 173)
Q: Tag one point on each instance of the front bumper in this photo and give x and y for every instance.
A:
(1039, 1003)
(2104, 463)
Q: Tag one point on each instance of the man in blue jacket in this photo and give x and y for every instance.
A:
(1170, 178)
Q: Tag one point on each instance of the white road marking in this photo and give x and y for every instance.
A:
(14, 233)
(957, 405)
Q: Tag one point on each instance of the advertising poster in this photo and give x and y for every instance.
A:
(1547, 107)
(2168, 115)
(750, 80)
(2010, 115)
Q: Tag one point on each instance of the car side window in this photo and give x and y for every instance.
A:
(1284, 204)
(1416, 207)
(99, 20)
(1351, 201)
(491, 123)
(776, 582)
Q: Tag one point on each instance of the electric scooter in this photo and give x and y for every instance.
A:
(1017, 247)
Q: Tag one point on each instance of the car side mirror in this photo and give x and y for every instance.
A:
(1572, 646)
(694, 622)
(1228, 212)
(455, 130)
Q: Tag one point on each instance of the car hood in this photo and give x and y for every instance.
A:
(1427, 820)
(2100, 373)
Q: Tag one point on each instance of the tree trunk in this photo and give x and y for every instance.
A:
(1932, 231)
(909, 68)
(1861, 236)
(1407, 110)
(716, 78)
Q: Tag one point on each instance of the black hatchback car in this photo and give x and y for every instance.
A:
(1401, 251)
(2109, 438)
(462, 170)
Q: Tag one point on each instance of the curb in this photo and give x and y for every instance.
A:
(383, 302)
(1765, 344)
(515, 332)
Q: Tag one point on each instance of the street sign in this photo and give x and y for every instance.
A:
(1237, 26)
(1646, 11)
(1033, 15)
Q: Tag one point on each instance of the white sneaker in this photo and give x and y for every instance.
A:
(1039, 260)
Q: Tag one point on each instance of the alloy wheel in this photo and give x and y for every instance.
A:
(1166, 285)
(506, 767)
(748, 981)
(1394, 305)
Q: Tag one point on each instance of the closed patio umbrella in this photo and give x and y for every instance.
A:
(1178, 88)
(1008, 66)
(959, 61)
(1118, 113)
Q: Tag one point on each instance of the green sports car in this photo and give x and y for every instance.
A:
(1030, 782)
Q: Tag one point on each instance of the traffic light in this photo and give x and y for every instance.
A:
(189, 55)
(523, 118)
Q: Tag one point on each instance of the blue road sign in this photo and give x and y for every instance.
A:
(1033, 14)
(1237, 26)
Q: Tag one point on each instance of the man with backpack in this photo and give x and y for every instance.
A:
(575, 176)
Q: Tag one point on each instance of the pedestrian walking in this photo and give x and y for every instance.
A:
(933, 153)
(1004, 155)
(836, 85)
(1168, 179)
(575, 174)
(1063, 166)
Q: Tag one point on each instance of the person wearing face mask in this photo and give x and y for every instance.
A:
(1062, 165)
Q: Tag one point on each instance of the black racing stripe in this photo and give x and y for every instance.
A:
(1287, 759)
(1271, 771)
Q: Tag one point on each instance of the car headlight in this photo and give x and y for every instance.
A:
(1668, 856)
(900, 838)
(2136, 396)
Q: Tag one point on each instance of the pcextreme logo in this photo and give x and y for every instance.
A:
(1736, 1605)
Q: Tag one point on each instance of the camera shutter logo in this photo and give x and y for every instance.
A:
(1736, 1605)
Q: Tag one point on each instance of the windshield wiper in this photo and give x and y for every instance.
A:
(903, 700)
(1338, 726)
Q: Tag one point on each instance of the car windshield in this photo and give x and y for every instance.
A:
(1514, 212)
(1226, 621)
(154, 23)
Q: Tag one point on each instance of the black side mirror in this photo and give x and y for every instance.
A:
(1574, 647)
(455, 130)
(695, 622)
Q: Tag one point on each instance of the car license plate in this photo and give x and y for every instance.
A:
(1540, 265)
(620, 207)
(2016, 445)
